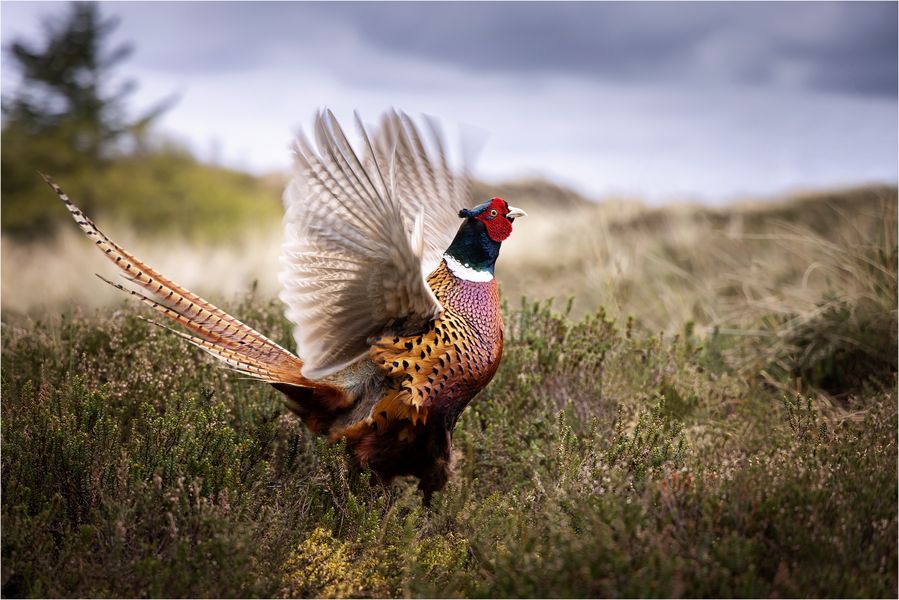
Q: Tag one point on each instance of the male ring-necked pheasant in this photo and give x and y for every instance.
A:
(395, 304)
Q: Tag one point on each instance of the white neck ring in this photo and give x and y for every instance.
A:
(465, 272)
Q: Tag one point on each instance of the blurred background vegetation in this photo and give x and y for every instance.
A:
(713, 415)
(70, 118)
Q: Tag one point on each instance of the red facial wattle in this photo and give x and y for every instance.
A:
(494, 218)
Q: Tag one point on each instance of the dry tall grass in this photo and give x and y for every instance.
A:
(49, 277)
(664, 266)
(725, 267)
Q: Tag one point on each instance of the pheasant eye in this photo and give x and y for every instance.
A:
(493, 213)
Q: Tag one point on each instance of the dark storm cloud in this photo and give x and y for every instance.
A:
(836, 46)
(839, 46)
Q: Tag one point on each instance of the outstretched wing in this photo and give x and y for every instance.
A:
(422, 180)
(354, 253)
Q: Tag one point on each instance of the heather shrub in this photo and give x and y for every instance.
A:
(604, 459)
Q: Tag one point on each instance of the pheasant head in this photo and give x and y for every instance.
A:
(476, 245)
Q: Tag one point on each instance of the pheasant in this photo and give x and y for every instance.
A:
(394, 302)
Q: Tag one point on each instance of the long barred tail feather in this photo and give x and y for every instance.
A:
(239, 346)
(254, 369)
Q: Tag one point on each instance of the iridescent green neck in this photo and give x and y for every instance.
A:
(473, 248)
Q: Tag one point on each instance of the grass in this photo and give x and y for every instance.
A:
(663, 266)
(719, 421)
(222, 268)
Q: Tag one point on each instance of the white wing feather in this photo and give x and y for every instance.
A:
(422, 181)
(358, 244)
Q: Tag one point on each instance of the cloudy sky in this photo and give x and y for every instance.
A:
(666, 101)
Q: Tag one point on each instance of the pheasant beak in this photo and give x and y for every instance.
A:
(514, 213)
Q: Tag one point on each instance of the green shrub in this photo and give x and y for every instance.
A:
(602, 461)
(149, 192)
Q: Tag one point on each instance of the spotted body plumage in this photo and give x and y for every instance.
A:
(432, 378)
(388, 358)
(458, 352)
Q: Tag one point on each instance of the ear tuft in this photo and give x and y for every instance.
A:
(465, 213)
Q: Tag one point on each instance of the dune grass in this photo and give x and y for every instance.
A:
(715, 416)
(663, 266)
